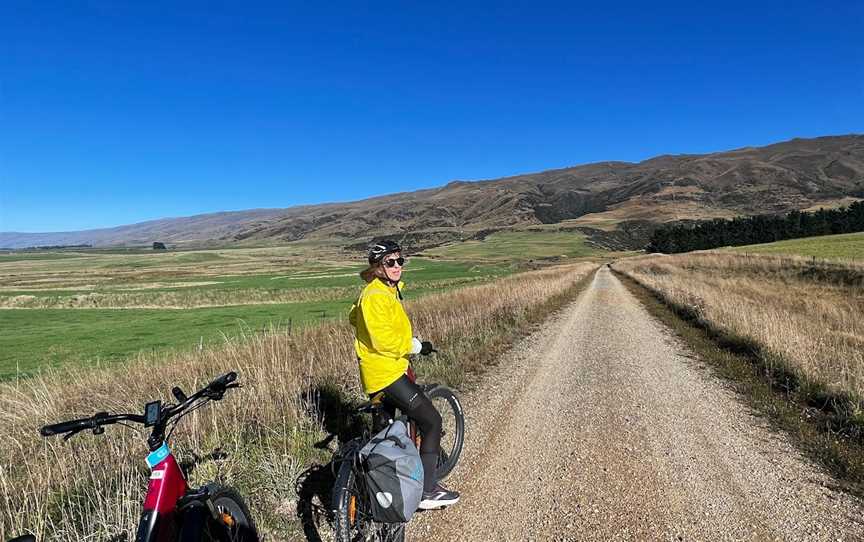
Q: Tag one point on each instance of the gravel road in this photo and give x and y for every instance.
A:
(602, 426)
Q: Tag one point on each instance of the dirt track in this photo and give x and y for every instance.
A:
(601, 426)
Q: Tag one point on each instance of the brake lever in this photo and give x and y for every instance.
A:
(71, 434)
(217, 395)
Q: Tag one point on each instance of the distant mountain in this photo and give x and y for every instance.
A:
(614, 202)
(198, 229)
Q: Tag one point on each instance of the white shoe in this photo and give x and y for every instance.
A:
(439, 497)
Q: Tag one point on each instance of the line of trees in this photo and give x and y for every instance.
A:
(752, 230)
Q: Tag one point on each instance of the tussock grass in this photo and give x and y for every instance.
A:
(175, 299)
(91, 487)
(798, 319)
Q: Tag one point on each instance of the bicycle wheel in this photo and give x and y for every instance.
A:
(236, 520)
(352, 519)
(453, 428)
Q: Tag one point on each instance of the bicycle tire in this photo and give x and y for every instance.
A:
(447, 404)
(348, 526)
(228, 501)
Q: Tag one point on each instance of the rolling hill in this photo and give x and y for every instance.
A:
(614, 203)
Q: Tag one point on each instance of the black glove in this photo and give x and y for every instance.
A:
(427, 348)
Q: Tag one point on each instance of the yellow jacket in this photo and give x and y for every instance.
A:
(383, 335)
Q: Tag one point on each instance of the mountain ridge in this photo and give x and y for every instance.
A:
(610, 196)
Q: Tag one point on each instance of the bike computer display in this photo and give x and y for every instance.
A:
(151, 413)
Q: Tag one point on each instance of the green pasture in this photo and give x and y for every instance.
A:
(33, 338)
(30, 256)
(519, 246)
(417, 270)
(847, 246)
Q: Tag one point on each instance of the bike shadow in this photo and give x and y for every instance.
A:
(314, 486)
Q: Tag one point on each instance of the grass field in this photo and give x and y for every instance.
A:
(52, 337)
(848, 246)
(92, 307)
(520, 245)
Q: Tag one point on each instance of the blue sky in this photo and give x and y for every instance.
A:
(115, 112)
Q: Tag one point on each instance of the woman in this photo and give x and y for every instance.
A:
(383, 343)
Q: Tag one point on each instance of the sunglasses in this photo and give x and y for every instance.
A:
(392, 262)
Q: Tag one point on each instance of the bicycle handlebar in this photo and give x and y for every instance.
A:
(213, 391)
(100, 418)
(65, 427)
(221, 384)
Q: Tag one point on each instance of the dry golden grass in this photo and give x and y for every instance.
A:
(201, 298)
(176, 299)
(89, 270)
(91, 487)
(804, 316)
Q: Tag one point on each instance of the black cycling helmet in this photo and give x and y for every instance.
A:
(381, 249)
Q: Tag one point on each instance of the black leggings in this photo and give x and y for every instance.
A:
(407, 397)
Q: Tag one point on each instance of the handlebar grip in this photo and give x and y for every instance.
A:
(222, 382)
(65, 427)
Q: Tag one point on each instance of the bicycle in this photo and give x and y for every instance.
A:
(352, 518)
(172, 511)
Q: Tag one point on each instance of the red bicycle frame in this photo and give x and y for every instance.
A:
(167, 486)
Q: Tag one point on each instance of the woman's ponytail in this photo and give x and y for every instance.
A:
(368, 274)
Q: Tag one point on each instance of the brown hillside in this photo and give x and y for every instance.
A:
(796, 174)
(619, 196)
